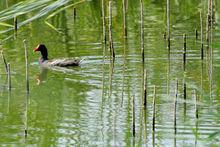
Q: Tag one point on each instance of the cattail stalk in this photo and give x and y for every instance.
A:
(27, 66)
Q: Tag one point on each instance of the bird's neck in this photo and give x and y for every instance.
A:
(44, 56)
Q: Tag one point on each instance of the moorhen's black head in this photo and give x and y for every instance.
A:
(42, 48)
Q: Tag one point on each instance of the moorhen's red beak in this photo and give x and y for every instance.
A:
(36, 49)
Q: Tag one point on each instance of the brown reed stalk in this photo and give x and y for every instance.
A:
(27, 66)
(142, 30)
(112, 52)
(103, 22)
(168, 24)
(15, 25)
(184, 52)
(201, 27)
(197, 34)
(74, 13)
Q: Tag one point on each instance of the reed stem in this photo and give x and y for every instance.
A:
(4, 60)
(184, 52)
(74, 13)
(142, 30)
(168, 25)
(15, 25)
(124, 3)
(103, 22)
(201, 27)
(27, 66)
(112, 52)
(197, 34)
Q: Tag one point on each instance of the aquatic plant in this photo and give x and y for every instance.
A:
(39, 9)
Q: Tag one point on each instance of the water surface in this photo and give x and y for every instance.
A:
(91, 105)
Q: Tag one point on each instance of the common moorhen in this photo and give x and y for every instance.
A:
(44, 61)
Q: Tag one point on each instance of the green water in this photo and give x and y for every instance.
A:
(91, 105)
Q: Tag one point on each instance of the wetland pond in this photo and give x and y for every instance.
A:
(92, 105)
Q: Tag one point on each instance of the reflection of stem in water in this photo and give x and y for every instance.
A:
(175, 107)
(9, 98)
(196, 115)
(174, 116)
(124, 3)
(153, 139)
(145, 125)
(133, 116)
(168, 75)
(103, 22)
(27, 66)
(184, 96)
(123, 74)
(112, 52)
(26, 116)
(145, 89)
(196, 107)
(103, 70)
(111, 72)
(201, 79)
(154, 113)
(9, 77)
(154, 116)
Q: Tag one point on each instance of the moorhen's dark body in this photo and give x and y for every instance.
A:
(44, 61)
